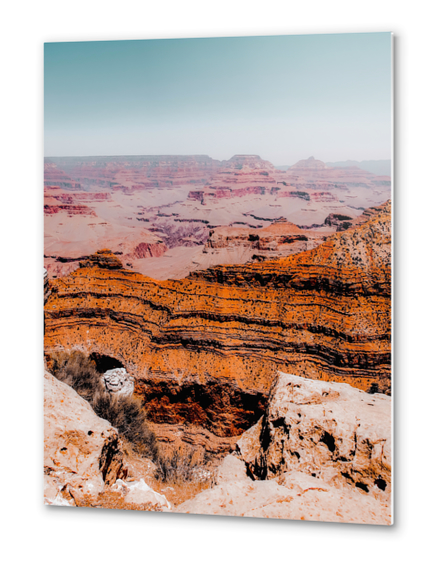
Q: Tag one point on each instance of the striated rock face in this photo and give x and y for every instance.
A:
(322, 452)
(323, 196)
(56, 177)
(205, 349)
(119, 382)
(103, 259)
(82, 453)
(70, 209)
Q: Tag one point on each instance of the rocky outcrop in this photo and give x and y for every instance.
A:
(84, 459)
(294, 496)
(324, 429)
(103, 259)
(205, 349)
(322, 452)
(290, 193)
(323, 197)
(341, 222)
(344, 222)
(72, 198)
(82, 453)
(119, 382)
(146, 250)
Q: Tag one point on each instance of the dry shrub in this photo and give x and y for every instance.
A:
(180, 464)
(78, 371)
(125, 413)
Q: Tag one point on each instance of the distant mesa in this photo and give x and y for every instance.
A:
(249, 161)
(309, 163)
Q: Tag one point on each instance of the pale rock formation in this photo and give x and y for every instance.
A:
(82, 453)
(298, 497)
(231, 469)
(325, 429)
(118, 381)
(139, 493)
(321, 453)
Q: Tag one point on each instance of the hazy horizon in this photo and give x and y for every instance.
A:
(47, 157)
(284, 98)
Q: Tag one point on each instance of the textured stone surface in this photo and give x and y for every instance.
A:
(82, 453)
(323, 429)
(47, 291)
(231, 468)
(299, 497)
(320, 453)
(118, 381)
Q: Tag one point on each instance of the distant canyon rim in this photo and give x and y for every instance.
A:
(167, 216)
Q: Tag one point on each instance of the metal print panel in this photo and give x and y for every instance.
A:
(217, 285)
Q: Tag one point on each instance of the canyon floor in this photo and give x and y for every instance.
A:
(195, 286)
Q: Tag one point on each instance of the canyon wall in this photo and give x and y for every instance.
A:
(205, 349)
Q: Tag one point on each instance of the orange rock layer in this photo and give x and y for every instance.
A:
(205, 349)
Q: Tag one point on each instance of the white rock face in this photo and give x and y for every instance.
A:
(118, 381)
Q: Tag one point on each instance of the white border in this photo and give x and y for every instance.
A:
(30, 530)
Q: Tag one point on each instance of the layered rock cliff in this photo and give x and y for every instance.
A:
(204, 350)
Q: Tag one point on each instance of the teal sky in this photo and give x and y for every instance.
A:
(283, 98)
